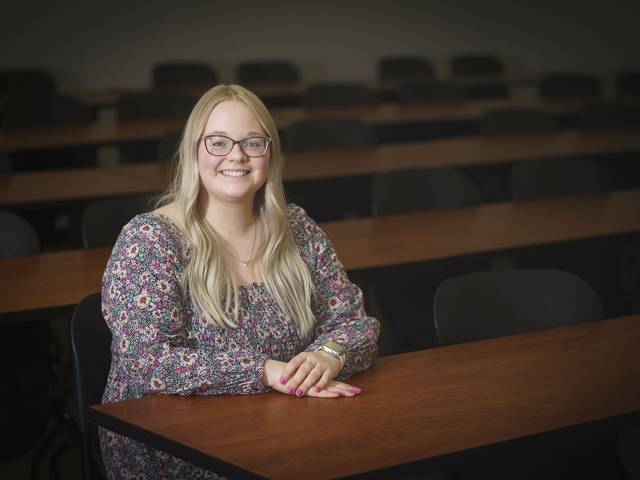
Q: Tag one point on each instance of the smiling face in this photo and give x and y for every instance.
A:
(234, 177)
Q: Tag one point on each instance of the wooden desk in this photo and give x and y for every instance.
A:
(74, 184)
(63, 278)
(388, 113)
(415, 406)
(108, 98)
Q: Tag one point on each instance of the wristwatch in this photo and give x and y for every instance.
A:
(335, 350)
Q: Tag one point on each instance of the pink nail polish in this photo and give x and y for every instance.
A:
(282, 381)
(299, 393)
(318, 389)
(290, 390)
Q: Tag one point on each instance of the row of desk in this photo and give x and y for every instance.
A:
(109, 133)
(108, 98)
(77, 184)
(56, 279)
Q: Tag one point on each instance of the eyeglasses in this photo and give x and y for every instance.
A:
(250, 146)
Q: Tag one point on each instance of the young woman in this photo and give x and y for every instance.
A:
(225, 289)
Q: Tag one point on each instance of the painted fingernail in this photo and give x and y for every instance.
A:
(283, 380)
(299, 393)
(354, 391)
(290, 390)
(318, 389)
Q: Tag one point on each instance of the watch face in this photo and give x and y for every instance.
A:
(336, 347)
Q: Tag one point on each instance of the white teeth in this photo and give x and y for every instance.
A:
(235, 173)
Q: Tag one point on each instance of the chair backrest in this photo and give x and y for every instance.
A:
(169, 144)
(31, 111)
(328, 133)
(267, 72)
(470, 65)
(570, 85)
(628, 83)
(17, 236)
(6, 164)
(338, 94)
(404, 68)
(506, 121)
(103, 220)
(483, 305)
(430, 91)
(609, 115)
(25, 406)
(147, 105)
(170, 74)
(33, 83)
(557, 177)
(91, 350)
(415, 190)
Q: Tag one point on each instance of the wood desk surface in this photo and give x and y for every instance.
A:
(71, 184)
(385, 113)
(415, 406)
(63, 278)
(108, 97)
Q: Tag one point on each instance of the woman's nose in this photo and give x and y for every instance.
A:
(236, 153)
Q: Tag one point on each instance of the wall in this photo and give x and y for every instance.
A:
(114, 43)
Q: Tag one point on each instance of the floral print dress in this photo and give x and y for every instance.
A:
(162, 344)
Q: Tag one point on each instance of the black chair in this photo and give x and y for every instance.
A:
(570, 85)
(430, 91)
(91, 345)
(328, 133)
(403, 294)
(557, 177)
(628, 83)
(169, 144)
(177, 74)
(31, 83)
(338, 94)
(476, 65)
(267, 72)
(609, 115)
(6, 164)
(103, 220)
(512, 120)
(151, 105)
(404, 68)
(26, 112)
(30, 395)
(349, 195)
(415, 190)
(483, 305)
(17, 236)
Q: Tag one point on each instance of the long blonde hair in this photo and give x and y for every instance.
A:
(206, 277)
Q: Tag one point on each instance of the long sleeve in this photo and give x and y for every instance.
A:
(338, 304)
(152, 352)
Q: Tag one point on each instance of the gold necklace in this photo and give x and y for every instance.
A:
(243, 263)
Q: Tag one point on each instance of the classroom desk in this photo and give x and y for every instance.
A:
(106, 133)
(108, 97)
(64, 278)
(73, 184)
(415, 406)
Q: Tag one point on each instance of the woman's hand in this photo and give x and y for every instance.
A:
(274, 377)
(312, 373)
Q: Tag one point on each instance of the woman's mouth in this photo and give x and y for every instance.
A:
(234, 173)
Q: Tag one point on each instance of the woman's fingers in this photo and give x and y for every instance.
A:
(296, 384)
(291, 367)
(343, 389)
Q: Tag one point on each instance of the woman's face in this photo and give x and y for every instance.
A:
(233, 177)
